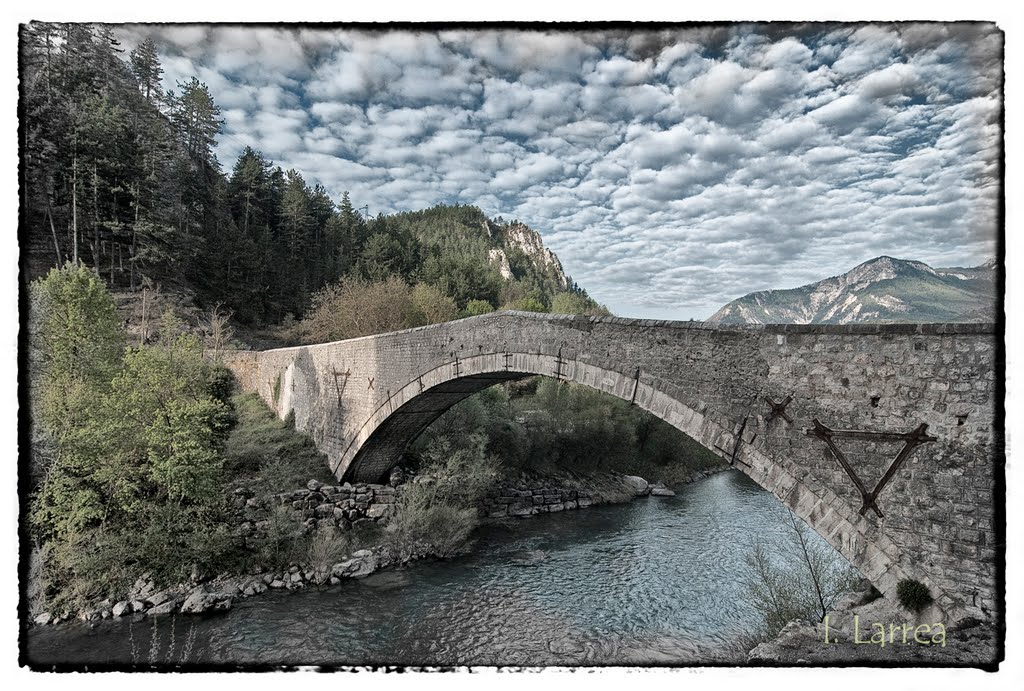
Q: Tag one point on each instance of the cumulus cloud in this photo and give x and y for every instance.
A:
(672, 170)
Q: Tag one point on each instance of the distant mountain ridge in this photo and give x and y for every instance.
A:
(883, 289)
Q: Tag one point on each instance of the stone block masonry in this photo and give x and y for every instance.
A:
(364, 400)
(317, 505)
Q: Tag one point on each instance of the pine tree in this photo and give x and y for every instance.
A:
(197, 119)
(145, 65)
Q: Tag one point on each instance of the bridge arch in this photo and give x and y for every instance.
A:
(396, 423)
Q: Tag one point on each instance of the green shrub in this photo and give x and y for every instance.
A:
(427, 522)
(478, 307)
(913, 595)
(327, 547)
(283, 534)
(439, 513)
(220, 383)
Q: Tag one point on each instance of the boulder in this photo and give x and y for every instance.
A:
(165, 607)
(639, 485)
(43, 619)
(200, 601)
(121, 608)
(362, 564)
(276, 583)
(138, 606)
(660, 490)
(312, 485)
(377, 511)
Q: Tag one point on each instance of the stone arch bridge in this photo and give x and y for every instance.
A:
(883, 438)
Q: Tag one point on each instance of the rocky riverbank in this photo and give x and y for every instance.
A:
(344, 508)
(867, 629)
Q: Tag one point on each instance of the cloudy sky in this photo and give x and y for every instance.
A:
(670, 170)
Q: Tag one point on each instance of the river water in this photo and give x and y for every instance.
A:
(655, 581)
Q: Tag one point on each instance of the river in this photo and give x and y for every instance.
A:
(655, 581)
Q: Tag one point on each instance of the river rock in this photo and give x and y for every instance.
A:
(200, 601)
(121, 608)
(362, 564)
(660, 490)
(165, 607)
(276, 583)
(43, 619)
(639, 485)
(312, 485)
(138, 606)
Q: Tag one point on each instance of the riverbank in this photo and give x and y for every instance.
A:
(866, 629)
(654, 581)
(360, 510)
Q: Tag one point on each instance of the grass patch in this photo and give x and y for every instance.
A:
(263, 446)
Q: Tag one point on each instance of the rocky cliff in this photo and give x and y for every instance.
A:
(517, 237)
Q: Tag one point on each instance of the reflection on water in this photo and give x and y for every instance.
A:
(657, 581)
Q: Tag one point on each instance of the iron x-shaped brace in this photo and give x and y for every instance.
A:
(911, 439)
(778, 409)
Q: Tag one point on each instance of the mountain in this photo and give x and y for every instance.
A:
(880, 290)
